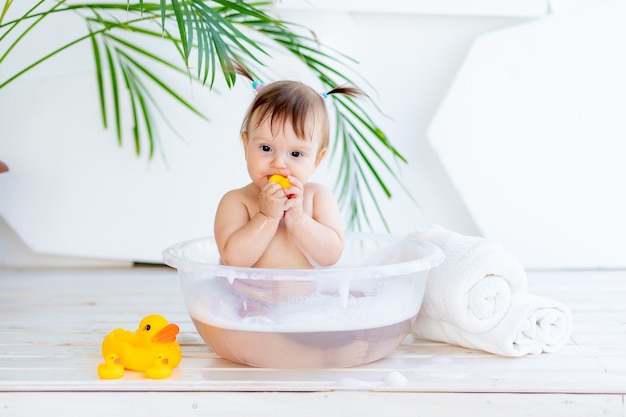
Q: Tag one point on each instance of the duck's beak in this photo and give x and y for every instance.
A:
(117, 361)
(166, 334)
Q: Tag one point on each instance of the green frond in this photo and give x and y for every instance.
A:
(214, 34)
(100, 78)
(115, 93)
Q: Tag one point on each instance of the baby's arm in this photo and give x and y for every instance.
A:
(242, 240)
(319, 235)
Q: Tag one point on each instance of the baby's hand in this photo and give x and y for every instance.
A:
(272, 199)
(293, 206)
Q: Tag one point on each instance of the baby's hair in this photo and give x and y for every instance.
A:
(346, 91)
(291, 101)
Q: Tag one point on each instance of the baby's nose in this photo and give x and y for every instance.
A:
(278, 162)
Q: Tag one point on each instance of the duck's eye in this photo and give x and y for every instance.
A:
(147, 328)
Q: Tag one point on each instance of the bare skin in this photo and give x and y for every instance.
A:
(294, 227)
(266, 226)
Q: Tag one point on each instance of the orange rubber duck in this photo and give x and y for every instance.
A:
(280, 180)
(154, 339)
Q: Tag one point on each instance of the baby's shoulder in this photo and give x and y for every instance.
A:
(243, 194)
(315, 189)
(315, 186)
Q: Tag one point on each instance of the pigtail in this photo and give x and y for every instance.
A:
(237, 67)
(346, 91)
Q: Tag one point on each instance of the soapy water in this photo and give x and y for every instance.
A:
(304, 350)
(305, 306)
(353, 313)
(304, 323)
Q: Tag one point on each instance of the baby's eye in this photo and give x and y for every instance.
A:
(266, 148)
(296, 154)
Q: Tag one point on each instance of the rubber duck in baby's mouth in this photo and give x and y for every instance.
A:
(154, 339)
(280, 180)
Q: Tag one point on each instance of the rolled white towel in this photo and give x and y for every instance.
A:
(532, 325)
(473, 287)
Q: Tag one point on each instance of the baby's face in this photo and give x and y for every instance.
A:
(280, 151)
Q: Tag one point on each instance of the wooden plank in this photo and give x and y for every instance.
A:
(52, 324)
(210, 376)
(327, 404)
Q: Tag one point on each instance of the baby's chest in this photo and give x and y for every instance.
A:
(283, 252)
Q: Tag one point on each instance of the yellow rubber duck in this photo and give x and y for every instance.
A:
(112, 367)
(138, 350)
(160, 369)
(280, 180)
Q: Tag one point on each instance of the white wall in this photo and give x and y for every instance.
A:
(73, 192)
(532, 134)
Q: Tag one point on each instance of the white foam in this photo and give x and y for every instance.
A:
(367, 307)
(356, 383)
(396, 379)
(344, 292)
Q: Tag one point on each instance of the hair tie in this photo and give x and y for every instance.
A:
(324, 95)
(257, 85)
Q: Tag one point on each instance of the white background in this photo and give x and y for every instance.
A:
(74, 197)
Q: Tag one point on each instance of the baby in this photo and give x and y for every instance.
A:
(285, 132)
(295, 225)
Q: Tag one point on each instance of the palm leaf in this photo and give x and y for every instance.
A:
(144, 99)
(100, 78)
(5, 9)
(182, 29)
(157, 80)
(14, 24)
(163, 4)
(219, 32)
(116, 95)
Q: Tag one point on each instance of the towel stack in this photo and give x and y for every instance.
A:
(478, 298)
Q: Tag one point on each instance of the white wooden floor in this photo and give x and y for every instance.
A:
(52, 323)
